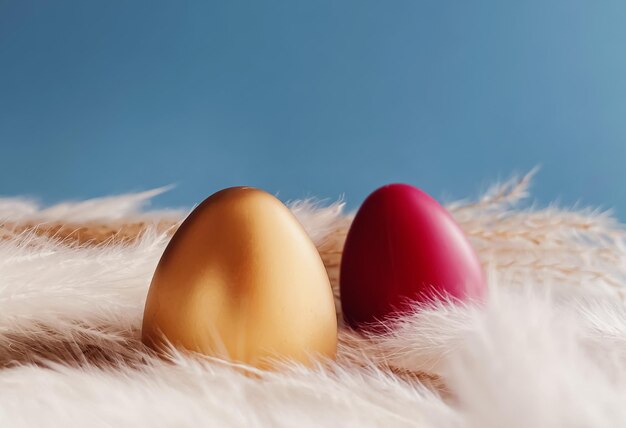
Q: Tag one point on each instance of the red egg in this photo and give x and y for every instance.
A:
(404, 248)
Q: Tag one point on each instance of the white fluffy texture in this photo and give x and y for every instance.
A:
(547, 349)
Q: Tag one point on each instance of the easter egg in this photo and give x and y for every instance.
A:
(241, 280)
(404, 249)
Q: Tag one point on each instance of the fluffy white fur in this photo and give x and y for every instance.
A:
(547, 349)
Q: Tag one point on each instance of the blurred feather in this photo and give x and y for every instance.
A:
(547, 349)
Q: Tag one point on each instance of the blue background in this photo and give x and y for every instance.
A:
(311, 97)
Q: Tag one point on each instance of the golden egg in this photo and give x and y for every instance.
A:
(241, 280)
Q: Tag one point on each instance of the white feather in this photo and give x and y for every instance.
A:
(547, 349)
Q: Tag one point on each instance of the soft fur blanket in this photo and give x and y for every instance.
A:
(548, 349)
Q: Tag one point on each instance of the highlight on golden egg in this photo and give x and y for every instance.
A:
(241, 280)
